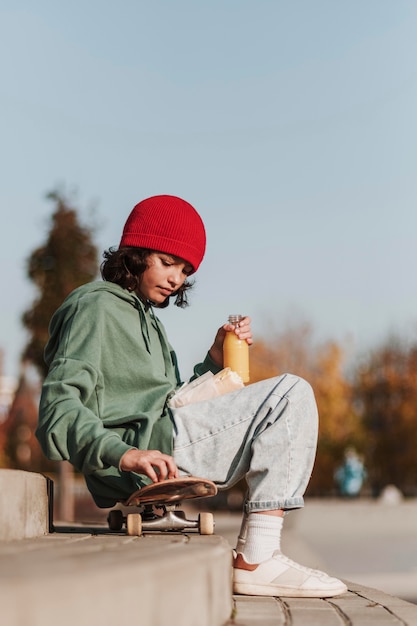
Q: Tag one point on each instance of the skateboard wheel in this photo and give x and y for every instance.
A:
(206, 524)
(134, 524)
(115, 520)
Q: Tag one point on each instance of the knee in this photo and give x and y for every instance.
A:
(300, 390)
(293, 380)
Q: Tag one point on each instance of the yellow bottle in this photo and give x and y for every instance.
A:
(236, 351)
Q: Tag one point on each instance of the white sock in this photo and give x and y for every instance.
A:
(259, 537)
(241, 540)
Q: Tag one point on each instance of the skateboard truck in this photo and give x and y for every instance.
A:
(159, 508)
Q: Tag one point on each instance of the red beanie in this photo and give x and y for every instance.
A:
(166, 224)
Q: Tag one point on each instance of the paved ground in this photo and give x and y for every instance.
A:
(358, 607)
(372, 543)
(364, 541)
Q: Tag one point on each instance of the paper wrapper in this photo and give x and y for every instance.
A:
(205, 387)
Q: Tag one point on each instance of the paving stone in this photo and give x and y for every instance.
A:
(361, 606)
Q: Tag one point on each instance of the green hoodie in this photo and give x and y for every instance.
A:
(111, 370)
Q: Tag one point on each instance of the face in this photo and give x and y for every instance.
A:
(164, 275)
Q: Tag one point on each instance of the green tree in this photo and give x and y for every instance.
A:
(65, 261)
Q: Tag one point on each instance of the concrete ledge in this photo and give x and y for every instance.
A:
(89, 576)
(109, 579)
(24, 504)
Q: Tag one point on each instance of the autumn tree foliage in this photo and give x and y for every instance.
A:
(340, 426)
(66, 260)
(292, 350)
(22, 450)
(386, 393)
(373, 410)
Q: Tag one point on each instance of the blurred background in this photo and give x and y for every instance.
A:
(291, 128)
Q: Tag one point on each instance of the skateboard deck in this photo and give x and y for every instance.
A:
(158, 504)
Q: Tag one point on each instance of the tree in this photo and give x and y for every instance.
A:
(22, 449)
(293, 350)
(289, 350)
(340, 426)
(387, 395)
(66, 260)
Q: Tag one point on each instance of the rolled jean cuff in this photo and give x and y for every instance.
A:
(274, 505)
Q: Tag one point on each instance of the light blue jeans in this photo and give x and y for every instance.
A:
(265, 433)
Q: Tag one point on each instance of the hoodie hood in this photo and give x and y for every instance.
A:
(90, 291)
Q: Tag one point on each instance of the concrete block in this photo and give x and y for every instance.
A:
(24, 505)
(114, 579)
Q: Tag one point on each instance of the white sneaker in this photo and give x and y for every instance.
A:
(280, 576)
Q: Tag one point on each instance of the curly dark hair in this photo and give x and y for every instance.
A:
(125, 266)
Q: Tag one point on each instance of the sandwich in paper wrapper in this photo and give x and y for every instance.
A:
(207, 386)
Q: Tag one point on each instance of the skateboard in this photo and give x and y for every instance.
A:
(159, 504)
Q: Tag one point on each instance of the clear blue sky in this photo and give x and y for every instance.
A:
(290, 125)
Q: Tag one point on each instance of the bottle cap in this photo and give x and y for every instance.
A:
(234, 319)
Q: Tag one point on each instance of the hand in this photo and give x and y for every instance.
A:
(243, 331)
(154, 464)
